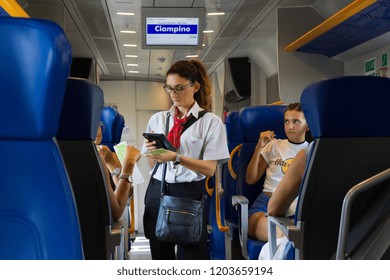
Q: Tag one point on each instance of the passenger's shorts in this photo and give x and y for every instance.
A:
(260, 204)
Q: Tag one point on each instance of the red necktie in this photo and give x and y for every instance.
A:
(175, 132)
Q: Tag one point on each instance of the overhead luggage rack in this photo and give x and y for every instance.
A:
(357, 23)
(11, 8)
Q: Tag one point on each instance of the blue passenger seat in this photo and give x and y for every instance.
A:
(229, 183)
(80, 117)
(38, 215)
(233, 248)
(348, 117)
(223, 244)
(114, 123)
(253, 120)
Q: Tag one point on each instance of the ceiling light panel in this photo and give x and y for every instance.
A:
(129, 23)
(215, 22)
(173, 3)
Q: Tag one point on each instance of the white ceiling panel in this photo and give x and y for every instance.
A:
(94, 30)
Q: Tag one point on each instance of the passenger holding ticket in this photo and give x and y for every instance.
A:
(121, 175)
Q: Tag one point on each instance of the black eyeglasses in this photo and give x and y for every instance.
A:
(177, 89)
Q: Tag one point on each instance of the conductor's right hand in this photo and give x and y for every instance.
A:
(150, 145)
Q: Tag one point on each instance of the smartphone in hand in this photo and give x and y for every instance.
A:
(160, 139)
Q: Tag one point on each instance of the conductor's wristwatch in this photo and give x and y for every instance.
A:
(177, 160)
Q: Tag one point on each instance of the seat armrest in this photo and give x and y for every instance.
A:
(115, 236)
(359, 190)
(242, 201)
(289, 229)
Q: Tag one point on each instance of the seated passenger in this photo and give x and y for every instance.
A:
(121, 175)
(273, 157)
(281, 199)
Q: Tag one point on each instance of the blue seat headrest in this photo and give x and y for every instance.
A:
(80, 115)
(256, 119)
(351, 106)
(233, 127)
(113, 125)
(32, 105)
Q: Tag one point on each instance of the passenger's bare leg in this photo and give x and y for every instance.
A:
(258, 227)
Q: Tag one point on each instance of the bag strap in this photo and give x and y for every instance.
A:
(157, 164)
(164, 171)
(192, 120)
(167, 123)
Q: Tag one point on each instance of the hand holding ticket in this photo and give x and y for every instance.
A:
(120, 150)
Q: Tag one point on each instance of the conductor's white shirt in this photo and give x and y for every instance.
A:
(205, 139)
